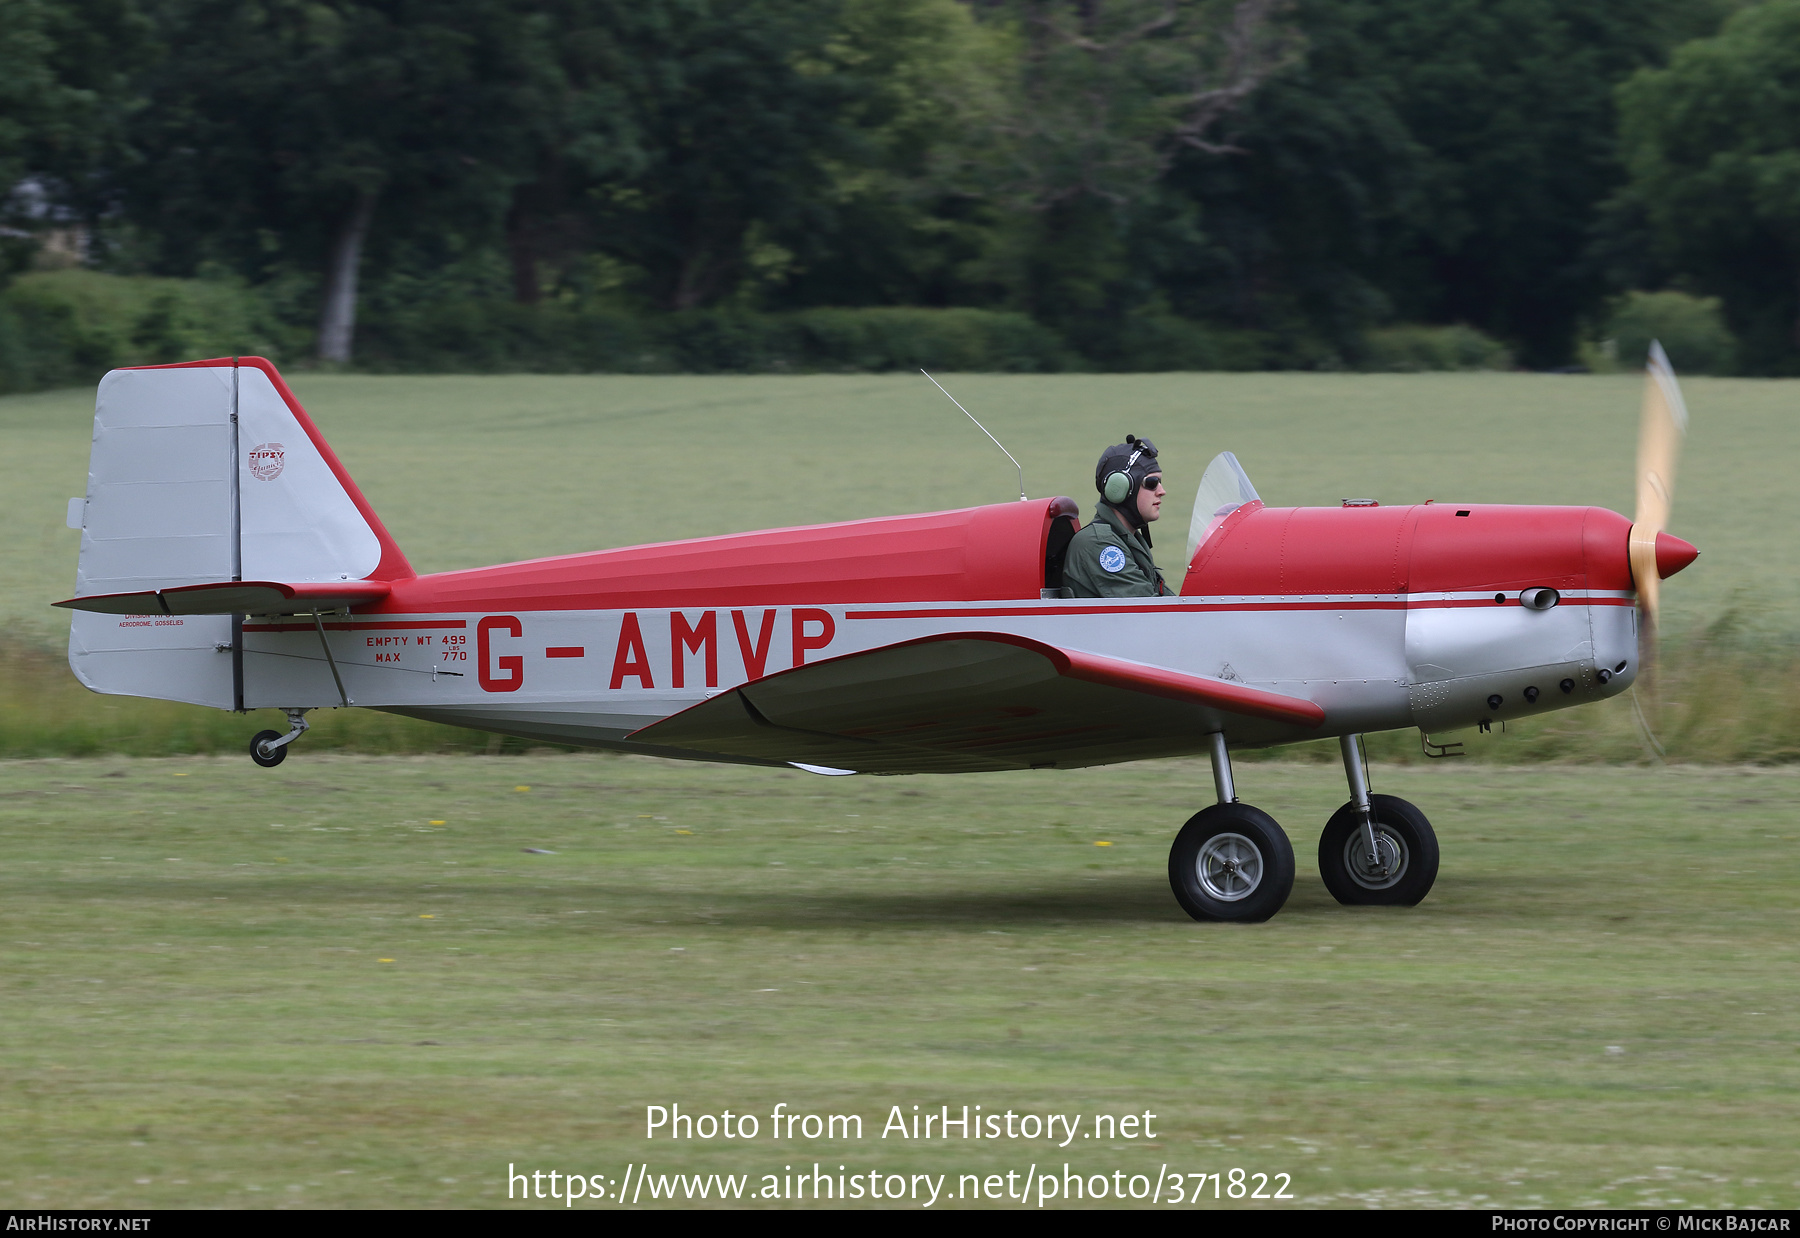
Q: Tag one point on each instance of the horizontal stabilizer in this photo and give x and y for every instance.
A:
(235, 597)
(970, 701)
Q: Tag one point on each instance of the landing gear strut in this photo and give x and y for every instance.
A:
(1377, 849)
(269, 748)
(1230, 861)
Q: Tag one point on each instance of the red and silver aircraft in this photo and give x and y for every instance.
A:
(229, 560)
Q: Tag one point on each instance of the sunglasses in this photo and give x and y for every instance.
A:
(1152, 483)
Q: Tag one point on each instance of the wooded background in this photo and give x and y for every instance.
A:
(658, 185)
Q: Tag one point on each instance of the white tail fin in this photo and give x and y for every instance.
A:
(202, 475)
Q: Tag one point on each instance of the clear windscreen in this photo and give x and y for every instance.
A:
(1224, 488)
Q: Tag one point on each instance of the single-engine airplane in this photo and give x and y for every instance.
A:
(229, 560)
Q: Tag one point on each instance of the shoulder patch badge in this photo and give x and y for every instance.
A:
(1112, 559)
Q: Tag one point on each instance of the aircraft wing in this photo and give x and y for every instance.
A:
(235, 597)
(971, 701)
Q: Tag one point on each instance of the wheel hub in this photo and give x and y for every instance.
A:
(1229, 867)
(1383, 874)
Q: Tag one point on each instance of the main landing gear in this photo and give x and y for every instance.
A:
(1376, 850)
(1233, 862)
(1230, 861)
(269, 748)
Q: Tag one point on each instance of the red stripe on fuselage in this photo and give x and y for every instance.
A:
(1277, 605)
(1273, 605)
(360, 626)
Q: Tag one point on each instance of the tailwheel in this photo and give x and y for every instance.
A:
(1231, 862)
(1405, 863)
(262, 754)
(269, 748)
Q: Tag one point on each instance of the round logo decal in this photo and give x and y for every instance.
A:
(266, 461)
(1112, 559)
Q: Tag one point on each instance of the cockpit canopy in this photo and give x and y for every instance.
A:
(1224, 488)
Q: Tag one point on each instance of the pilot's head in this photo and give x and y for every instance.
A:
(1130, 479)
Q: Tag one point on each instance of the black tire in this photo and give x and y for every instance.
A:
(268, 760)
(1402, 832)
(1231, 862)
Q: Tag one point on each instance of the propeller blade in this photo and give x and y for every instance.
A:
(1654, 553)
(1660, 432)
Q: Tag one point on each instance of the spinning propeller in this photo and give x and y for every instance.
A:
(1656, 555)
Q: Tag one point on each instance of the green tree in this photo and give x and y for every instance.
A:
(1431, 160)
(648, 150)
(1713, 145)
(874, 151)
(64, 89)
(745, 111)
(280, 136)
(907, 207)
(577, 134)
(1108, 96)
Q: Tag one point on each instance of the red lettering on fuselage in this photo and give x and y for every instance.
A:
(630, 658)
(754, 661)
(684, 640)
(691, 634)
(803, 642)
(512, 665)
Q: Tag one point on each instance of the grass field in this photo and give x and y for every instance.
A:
(473, 470)
(346, 982)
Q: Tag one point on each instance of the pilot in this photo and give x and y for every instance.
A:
(1110, 558)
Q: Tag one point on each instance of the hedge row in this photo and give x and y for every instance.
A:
(66, 328)
(502, 336)
(1692, 331)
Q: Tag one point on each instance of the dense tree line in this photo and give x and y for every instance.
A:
(1296, 171)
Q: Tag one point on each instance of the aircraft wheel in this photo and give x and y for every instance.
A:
(1231, 862)
(1409, 851)
(271, 758)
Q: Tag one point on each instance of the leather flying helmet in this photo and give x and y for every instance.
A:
(1121, 472)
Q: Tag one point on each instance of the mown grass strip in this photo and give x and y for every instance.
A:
(347, 982)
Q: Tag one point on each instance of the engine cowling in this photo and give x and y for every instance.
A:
(1504, 604)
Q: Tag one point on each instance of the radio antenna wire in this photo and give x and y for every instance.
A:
(996, 442)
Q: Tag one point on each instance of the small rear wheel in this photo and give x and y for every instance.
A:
(1408, 863)
(267, 757)
(1231, 862)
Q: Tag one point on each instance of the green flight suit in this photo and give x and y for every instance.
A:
(1110, 543)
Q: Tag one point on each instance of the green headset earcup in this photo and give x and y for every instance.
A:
(1118, 485)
